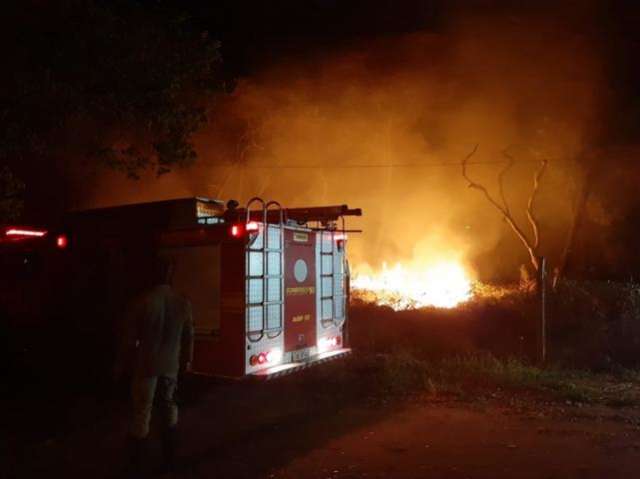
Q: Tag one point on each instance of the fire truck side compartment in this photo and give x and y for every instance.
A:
(221, 352)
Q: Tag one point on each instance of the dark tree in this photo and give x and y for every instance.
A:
(107, 83)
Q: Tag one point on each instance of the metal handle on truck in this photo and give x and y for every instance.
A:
(274, 331)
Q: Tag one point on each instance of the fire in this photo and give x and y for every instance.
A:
(443, 284)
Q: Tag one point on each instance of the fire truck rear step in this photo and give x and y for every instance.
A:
(283, 369)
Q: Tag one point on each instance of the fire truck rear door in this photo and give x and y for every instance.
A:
(300, 290)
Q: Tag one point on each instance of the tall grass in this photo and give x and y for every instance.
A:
(590, 325)
(402, 373)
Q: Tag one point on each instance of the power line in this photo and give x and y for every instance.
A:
(392, 165)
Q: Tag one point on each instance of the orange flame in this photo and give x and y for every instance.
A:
(442, 284)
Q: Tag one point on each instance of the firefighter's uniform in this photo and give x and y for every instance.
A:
(159, 330)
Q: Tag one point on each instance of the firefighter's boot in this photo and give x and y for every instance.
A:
(170, 443)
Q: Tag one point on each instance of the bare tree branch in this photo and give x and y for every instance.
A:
(467, 158)
(530, 216)
(525, 241)
(477, 186)
(501, 176)
(503, 209)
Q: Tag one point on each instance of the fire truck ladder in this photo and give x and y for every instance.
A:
(344, 279)
(328, 283)
(265, 278)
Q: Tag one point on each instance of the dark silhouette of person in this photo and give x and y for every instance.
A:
(156, 344)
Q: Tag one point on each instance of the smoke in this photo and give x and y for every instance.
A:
(383, 124)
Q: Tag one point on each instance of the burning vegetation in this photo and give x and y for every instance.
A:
(443, 284)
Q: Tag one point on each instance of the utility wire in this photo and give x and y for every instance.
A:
(393, 165)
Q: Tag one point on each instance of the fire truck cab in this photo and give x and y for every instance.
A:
(269, 286)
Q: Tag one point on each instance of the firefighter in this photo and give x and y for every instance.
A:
(157, 342)
(231, 213)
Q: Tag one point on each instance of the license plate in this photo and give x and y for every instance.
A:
(300, 355)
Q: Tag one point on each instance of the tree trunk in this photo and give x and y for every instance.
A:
(578, 217)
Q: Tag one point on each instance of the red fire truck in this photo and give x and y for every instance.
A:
(269, 286)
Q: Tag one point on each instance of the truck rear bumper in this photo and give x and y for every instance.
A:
(282, 369)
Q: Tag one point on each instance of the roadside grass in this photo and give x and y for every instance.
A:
(480, 372)
(473, 376)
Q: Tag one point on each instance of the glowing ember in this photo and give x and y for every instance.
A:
(443, 284)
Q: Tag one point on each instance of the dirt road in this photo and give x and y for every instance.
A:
(288, 430)
(457, 441)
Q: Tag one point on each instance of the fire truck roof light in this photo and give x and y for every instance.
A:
(236, 231)
(25, 232)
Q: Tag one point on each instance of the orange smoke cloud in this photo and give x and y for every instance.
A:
(383, 125)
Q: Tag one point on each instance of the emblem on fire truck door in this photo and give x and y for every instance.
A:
(300, 274)
(300, 271)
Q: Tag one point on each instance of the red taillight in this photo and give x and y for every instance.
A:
(25, 233)
(236, 231)
(267, 357)
(62, 241)
(239, 230)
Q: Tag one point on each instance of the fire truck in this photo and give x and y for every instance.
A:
(269, 286)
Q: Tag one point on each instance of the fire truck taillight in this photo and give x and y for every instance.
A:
(62, 241)
(258, 359)
(239, 230)
(270, 357)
